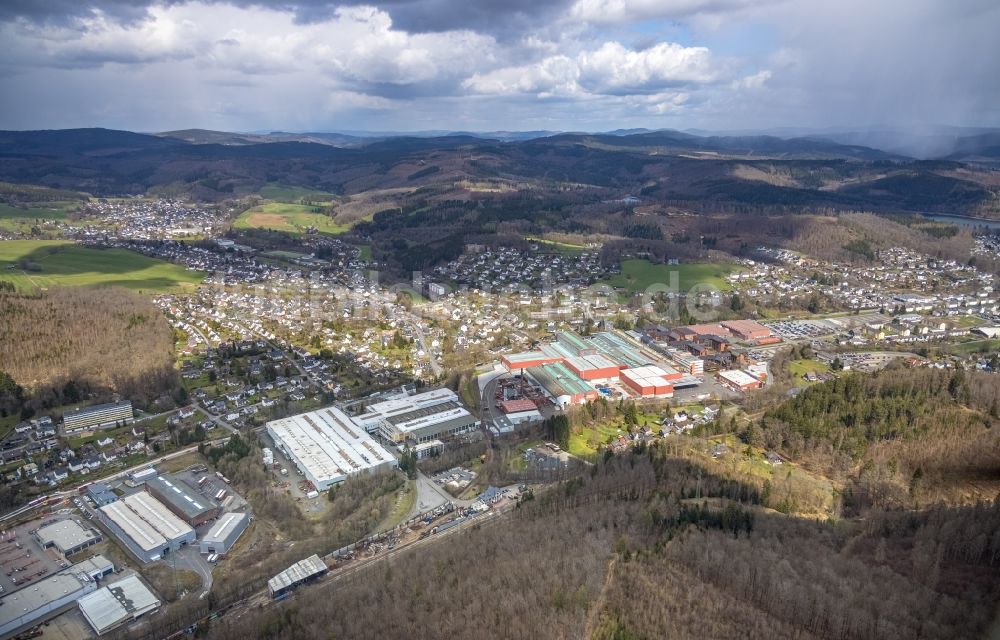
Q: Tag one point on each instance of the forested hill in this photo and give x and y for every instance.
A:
(701, 173)
(646, 545)
(898, 438)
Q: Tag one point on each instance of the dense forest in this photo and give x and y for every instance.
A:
(901, 437)
(647, 545)
(68, 345)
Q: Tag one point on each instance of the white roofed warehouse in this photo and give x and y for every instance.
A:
(224, 533)
(118, 603)
(146, 526)
(328, 447)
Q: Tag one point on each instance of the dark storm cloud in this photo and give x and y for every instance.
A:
(414, 16)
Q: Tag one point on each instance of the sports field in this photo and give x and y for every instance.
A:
(32, 264)
(639, 275)
(290, 218)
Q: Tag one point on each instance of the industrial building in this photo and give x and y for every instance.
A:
(67, 536)
(561, 385)
(328, 447)
(520, 410)
(97, 416)
(649, 381)
(146, 526)
(95, 567)
(42, 600)
(299, 573)
(747, 329)
(111, 606)
(569, 369)
(432, 415)
(739, 380)
(183, 500)
(224, 533)
(101, 494)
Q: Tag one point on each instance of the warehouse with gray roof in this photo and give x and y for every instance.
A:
(68, 536)
(182, 499)
(299, 573)
(224, 533)
(42, 600)
(146, 526)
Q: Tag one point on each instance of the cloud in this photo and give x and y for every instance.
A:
(753, 82)
(415, 16)
(557, 64)
(622, 11)
(611, 69)
(358, 47)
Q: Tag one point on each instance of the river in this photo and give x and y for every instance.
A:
(965, 221)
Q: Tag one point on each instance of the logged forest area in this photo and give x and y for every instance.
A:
(67, 345)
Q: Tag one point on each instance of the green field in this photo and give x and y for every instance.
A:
(290, 218)
(639, 275)
(285, 193)
(563, 248)
(56, 263)
(55, 211)
(798, 368)
(365, 252)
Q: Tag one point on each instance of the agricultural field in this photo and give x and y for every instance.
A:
(289, 218)
(639, 275)
(32, 264)
(296, 195)
(50, 211)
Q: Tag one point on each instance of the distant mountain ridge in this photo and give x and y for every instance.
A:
(719, 172)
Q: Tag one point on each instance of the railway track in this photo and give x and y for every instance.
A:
(338, 575)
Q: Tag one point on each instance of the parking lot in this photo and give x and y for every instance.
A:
(22, 559)
(802, 329)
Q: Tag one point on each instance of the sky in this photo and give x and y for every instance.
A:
(492, 65)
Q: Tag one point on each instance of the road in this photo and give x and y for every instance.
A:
(189, 558)
(418, 331)
(487, 409)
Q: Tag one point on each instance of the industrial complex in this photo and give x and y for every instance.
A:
(419, 418)
(328, 447)
(574, 369)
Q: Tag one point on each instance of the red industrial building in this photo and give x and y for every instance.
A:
(514, 361)
(747, 329)
(648, 381)
(517, 406)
